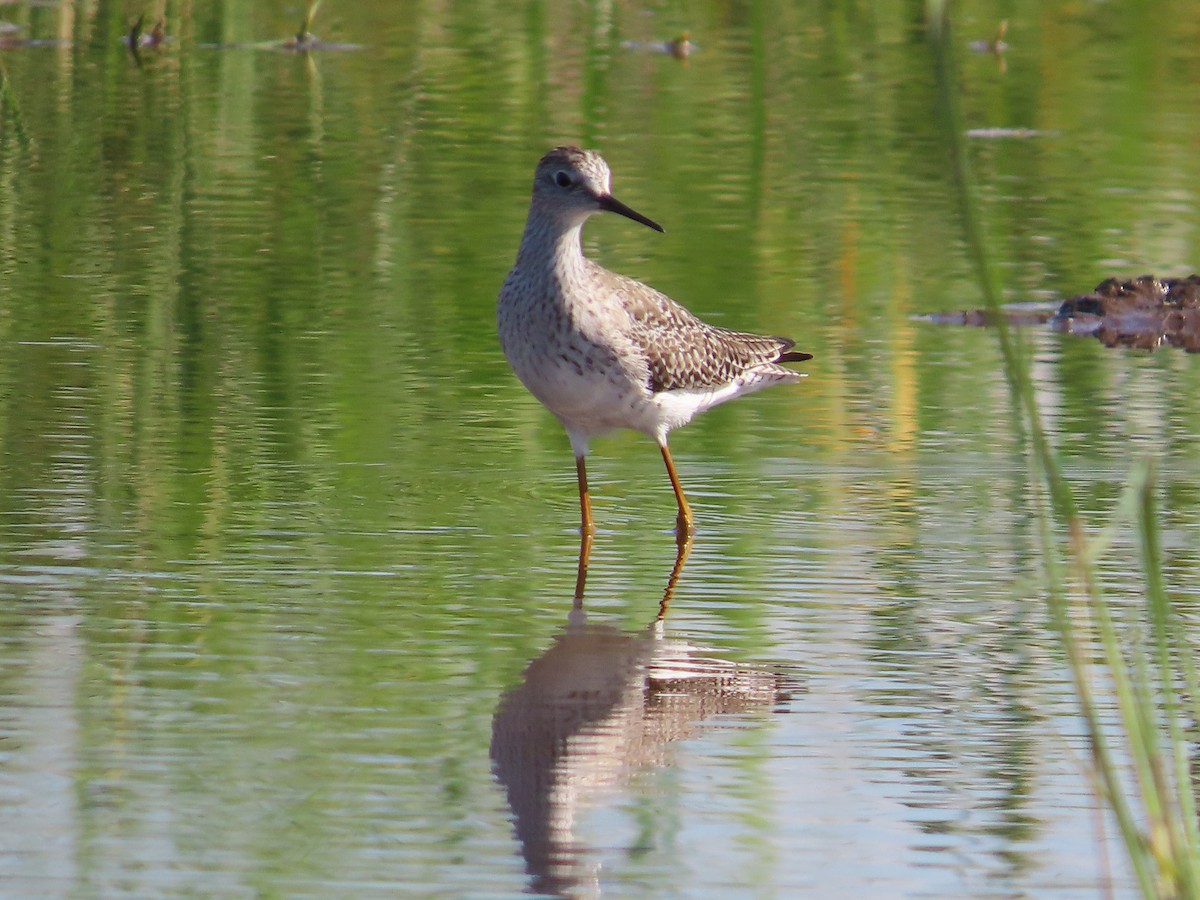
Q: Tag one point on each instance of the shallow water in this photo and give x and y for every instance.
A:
(287, 555)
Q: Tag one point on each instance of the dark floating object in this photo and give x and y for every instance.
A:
(10, 38)
(302, 41)
(1143, 313)
(155, 37)
(680, 47)
(996, 45)
(138, 40)
(995, 134)
(297, 44)
(1013, 314)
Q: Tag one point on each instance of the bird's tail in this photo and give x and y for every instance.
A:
(793, 356)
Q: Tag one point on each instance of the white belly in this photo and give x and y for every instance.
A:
(587, 389)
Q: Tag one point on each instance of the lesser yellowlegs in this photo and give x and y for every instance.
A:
(603, 351)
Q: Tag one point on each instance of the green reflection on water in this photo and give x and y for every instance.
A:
(263, 468)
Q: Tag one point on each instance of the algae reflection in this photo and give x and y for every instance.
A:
(600, 704)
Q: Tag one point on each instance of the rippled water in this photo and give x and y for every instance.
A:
(288, 557)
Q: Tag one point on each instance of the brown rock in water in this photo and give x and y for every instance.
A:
(1142, 313)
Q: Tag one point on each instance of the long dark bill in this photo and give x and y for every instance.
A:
(612, 204)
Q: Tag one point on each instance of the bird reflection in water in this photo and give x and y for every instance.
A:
(598, 705)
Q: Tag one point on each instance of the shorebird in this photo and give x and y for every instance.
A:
(602, 351)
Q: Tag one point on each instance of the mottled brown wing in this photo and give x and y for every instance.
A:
(684, 352)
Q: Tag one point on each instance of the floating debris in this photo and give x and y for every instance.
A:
(138, 39)
(1144, 313)
(302, 41)
(11, 42)
(290, 45)
(156, 37)
(680, 47)
(996, 44)
(1012, 313)
(10, 38)
(1009, 133)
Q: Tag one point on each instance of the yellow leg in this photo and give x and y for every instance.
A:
(588, 524)
(684, 524)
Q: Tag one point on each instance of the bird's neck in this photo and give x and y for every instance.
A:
(550, 245)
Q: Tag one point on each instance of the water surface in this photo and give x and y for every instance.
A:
(284, 545)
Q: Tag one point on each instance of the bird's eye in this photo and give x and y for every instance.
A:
(563, 179)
